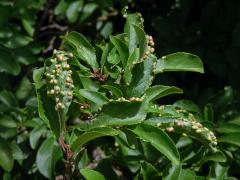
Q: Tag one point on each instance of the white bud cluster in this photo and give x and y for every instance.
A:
(150, 47)
(136, 99)
(198, 128)
(188, 124)
(58, 75)
(132, 99)
(122, 99)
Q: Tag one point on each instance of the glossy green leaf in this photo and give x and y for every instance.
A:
(88, 10)
(133, 58)
(24, 88)
(96, 97)
(6, 157)
(37, 77)
(116, 113)
(47, 112)
(73, 10)
(159, 139)
(142, 40)
(114, 89)
(36, 134)
(121, 113)
(113, 57)
(156, 92)
(216, 157)
(28, 24)
(60, 8)
(83, 48)
(173, 172)
(47, 156)
(19, 39)
(8, 63)
(132, 19)
(230, 138)
(17, 152)
(8, 122)
(208, 113)
(179, 62)
(228, 128)
(91, 135)
(142, 78)
(90, 174)
(121, 48)
(8, 98)
(149, 171)
(187, 105)
(89, 84)
(187, 174)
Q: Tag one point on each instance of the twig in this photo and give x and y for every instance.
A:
(69, 168)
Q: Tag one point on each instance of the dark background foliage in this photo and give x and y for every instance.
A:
(31, 29)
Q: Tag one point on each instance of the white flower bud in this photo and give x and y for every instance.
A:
(170, 129)
(152, 50)
(52, 91)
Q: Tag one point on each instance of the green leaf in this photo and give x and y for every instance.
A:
(6, 157)
(61, 7)
(187, 174)
(173, 172)
(121, 113)
(8, 99)
(17, 152)
(37, 77)
(149, 171)
(8, 63)
(28, 24)
(91, 135)
(159, 139)
(47, 112)
(36, 134)
(121, 48)
(73, 10)
(187, 105)
(24, 88)
(236, 121)
(88, 9)
(156, 92)
(231, 138)
(7, 122)
(89, 84)
(217, 157)
(228, 128)
(113, 57)
(19, 39)
(116, 113)
(106, 50)
(208, 113)
(133, 58)
(96, 97)
(90, 174)
(142, 77)
(47, 156)
(132, 19)
(84, 50)
(115, 90)
(179, 61)
(142, 40)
